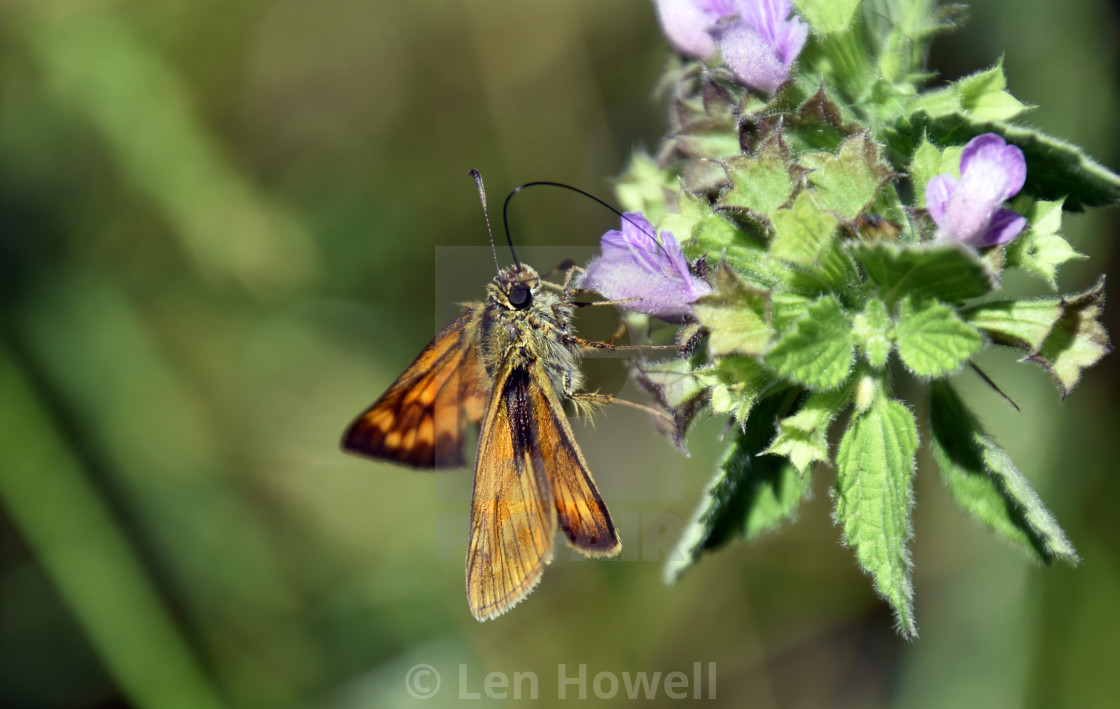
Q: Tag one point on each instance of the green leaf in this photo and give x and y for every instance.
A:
(847, 182)
(750, 493)
(924, 166)
(984, 96)
(818, 351)
(1055, 169)
(929, 162)
(981, 96)
(875, 464)
(674, 381)
(736, 384)
(1077, 341)
(678, 390)
(945, 272)
(786, 309)
(715, 237)
(643, 186)
(760, 183)
(828, 16)
(1042, 249)
(708, 139)
(803, 437)
(1018, 323)
(737, 314)
(932, 341)
(871, 330)
(986, 484)
(818, 125)
(805, 235)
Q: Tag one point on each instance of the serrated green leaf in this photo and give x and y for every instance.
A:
(817, 352)
(945, 272)
(847, 182)
(749, 494)
(716, 238)
(986, 484)
(932, 341)
(1077, 341)
(805, 235)
(871, 332)
(984, 96)
(802, 232)
(736, 384)
(803, 437)
(981, 96)
(818, 125)
(828, 16)
(1018, 323)
(1042, 249)
(786, 309)
(760, 183)
(1055, 169)
(737, 315)
(875, 465)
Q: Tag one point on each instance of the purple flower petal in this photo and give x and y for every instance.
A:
(771, 18)
(970, 210)
(989, 157)
(686, 24)
(652, 275)
(750, 56)
(938, 191)
(1005, 226)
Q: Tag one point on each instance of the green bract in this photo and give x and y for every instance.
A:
(809, 208)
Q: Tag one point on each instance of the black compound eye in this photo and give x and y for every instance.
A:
(520, 296)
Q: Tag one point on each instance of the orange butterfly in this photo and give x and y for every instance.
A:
(504, 362)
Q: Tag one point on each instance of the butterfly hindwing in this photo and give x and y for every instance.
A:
(582, 513)
(421, 420)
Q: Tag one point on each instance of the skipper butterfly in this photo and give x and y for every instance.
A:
(504, 363)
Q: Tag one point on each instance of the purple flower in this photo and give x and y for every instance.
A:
(969, 210)
(635, 265)
(758, 38)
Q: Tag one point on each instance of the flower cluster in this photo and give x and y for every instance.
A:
(854, 224)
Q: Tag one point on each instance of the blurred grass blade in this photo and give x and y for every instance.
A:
(65, 522)
(97, 65)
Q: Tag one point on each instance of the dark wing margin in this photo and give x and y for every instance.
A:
(513, 521)
(421, 420)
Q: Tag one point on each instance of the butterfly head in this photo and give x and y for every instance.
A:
(516, 287)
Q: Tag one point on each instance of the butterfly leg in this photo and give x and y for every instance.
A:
(604, 399)
(608, 347)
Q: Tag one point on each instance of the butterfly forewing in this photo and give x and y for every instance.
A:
(420, 421)
(512, 517)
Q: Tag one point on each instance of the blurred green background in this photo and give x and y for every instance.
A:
(225, 227)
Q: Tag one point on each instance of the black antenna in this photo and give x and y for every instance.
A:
(490, 232)
(505, 209)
